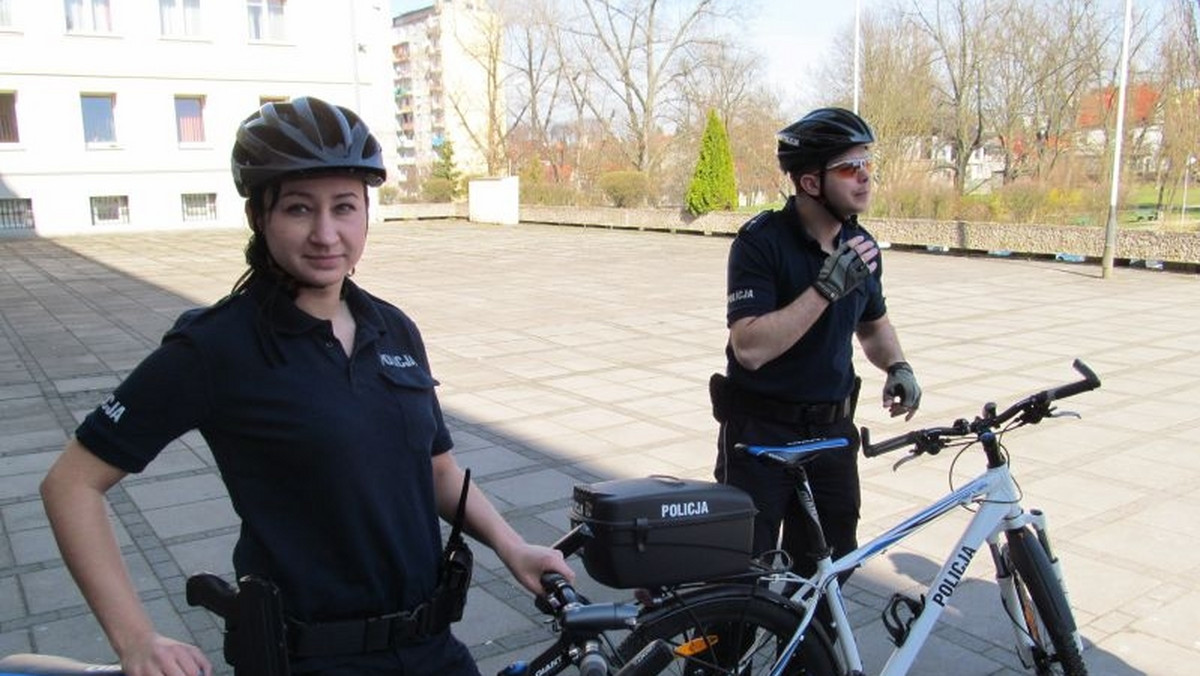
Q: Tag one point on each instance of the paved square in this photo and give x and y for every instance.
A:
(570, 355)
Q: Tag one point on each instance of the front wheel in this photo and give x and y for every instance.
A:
(1049, 626)
(731, 630)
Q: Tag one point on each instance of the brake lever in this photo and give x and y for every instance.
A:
(912, 455)
(1055, 413)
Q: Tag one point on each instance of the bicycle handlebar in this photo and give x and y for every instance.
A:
(1090, 382)
(1031, 410)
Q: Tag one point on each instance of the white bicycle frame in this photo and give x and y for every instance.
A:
(998, 508)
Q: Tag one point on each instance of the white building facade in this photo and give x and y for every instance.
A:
(119, 115)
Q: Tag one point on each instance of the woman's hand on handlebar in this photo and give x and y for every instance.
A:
(527, 562)
(158, 655)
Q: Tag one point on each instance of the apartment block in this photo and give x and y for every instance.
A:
(444, 57)
(119, 115)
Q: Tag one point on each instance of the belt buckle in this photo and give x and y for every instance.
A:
(409, 625)
(379, 632)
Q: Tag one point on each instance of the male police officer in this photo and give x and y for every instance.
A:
(802, 281)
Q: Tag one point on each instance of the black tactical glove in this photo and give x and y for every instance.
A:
(901, 384)
(843, 270)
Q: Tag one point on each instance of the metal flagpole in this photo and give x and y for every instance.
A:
(857, 50)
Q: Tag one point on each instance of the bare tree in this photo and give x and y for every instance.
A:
(1179, 84)
(479, 33)
(632, 50)
(958, 30)
(897, 95)
(1062, 56)
(539, 82)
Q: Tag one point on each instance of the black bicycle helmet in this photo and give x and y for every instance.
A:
(301, 136)
(819, 136)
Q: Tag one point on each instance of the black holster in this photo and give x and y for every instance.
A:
(255, 634)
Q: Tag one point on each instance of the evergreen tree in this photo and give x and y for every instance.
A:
(713, 184)
(444, 176)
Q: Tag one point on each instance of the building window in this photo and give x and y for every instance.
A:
(98, 125)
(8, 117)
(189, 118)
(88, 16)
(200, 206)
(110, 209)
(179, 18)
(6, 14)
(16, 214)
(265, 19)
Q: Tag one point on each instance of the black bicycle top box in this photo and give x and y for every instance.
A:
(659, 531)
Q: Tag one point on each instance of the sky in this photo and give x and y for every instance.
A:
(787, 33)
(796, 36)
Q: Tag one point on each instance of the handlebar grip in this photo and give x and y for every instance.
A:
(650, 660)
(1090, 382)
(555, 583)
(558, 593)
(593, 664)
(885, 446)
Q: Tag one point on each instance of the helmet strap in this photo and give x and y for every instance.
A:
(821, 199)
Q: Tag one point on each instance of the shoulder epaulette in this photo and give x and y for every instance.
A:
(756, 222)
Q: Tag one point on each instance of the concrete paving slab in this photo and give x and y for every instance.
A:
(570, 355)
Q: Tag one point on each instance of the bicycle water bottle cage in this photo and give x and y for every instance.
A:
(896, 624)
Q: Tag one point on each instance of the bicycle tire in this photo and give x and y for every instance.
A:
(1044, 607)
(703, 624)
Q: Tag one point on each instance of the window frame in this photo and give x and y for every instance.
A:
(8, 20)
(266, 20)
(197, 212)
(118, 203)
(8, 113)
(183, 129)
(13, 209)
(111, 120)
(181, 19)
(88, 16)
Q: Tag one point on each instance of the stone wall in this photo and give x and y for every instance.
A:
(1170, 247)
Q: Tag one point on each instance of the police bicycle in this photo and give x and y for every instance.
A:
(735, 623)
(777, 635)
(252, 612)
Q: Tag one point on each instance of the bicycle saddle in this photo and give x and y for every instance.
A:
(51, 665)
(794, 453)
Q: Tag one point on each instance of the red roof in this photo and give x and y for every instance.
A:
(1140, 101)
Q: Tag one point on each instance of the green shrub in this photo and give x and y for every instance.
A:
(976, 208)
(438, 189)
(389, 194)
(625, 188)
(1023, 200)
(549, 194)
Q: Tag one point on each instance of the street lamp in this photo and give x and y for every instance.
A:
(1110, 229)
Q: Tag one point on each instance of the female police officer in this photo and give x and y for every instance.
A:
(317, 402)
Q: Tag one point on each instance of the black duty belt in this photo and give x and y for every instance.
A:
(352, 637)
(728, 399)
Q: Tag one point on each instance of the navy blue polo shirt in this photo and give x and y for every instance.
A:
(772, 260)
(327, 458)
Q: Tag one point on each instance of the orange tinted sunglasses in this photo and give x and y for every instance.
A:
(850, 168)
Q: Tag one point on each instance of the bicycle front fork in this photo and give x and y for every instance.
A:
(1008, 589)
